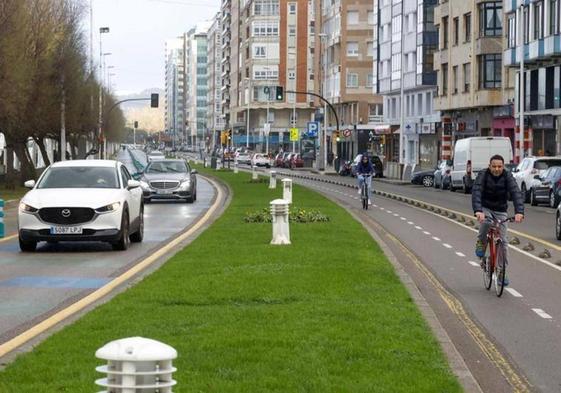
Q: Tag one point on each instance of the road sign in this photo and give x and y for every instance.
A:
(347, 133)
(294, 135)
(313, 127)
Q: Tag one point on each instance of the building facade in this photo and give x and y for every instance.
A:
(226, 34)
(475, 91)
(541, 39)
(214, 118)
(406, 40)
(174, 89)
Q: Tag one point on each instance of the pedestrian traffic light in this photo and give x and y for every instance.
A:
(279, 94)
(154, 100)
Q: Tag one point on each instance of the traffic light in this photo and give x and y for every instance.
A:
(383, 140)
(154, 100)
(279, 93)
(336, 135)
(135, 124)
(229, 134)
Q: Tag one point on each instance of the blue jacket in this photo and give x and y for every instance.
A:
(361, 168)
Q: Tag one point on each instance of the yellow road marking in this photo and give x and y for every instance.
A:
(107, 288)
(5, 239)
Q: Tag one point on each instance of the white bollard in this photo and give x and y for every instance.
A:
(287, 190)
(253, 173)
(236, 166)
(273, 180)
(281, 230)
(137, 364)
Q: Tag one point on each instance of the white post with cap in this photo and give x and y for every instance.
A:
(280, 216)
(253, 173)
(273, 180)
(287, 190)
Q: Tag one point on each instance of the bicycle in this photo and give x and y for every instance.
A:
(494, 262)
(364, 191)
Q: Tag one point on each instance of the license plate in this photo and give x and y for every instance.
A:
(163, 192)
(66, 230)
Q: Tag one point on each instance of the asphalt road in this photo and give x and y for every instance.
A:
(523, 326)
(33, 286)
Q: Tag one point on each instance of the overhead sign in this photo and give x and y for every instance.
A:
(294, 134)
(313, 128)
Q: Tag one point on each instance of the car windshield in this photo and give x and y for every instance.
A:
(546, 164)
(166, 167)
(80, 177)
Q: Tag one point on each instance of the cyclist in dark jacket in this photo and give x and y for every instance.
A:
(363, 169)
(490, 198)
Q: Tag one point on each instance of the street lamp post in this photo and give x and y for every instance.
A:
(102, 30)
(323, 144)
(521, 83)
(247, 115)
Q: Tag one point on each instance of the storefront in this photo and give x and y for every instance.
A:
(504, 124)
(429, 145)
(543, 135)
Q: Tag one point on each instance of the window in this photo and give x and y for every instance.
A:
(259, 51)
(538, 20)
(445, 33)
(266, 7)
(369, 48)
(291, 75)
(352, 48)
(352, 17)
(511, 33)
(467, 27)
(370, 80)
(265, 28)
(352, 79)
(445, 79)
(455, 79)
(554, 16)
(291, 30)
(456, 30)
(467, 76)
(370, 17)
(490, 71)
(292, 8)
(491, 19)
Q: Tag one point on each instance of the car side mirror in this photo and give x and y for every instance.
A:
(132, 184)
(194, 171)
(29, 184)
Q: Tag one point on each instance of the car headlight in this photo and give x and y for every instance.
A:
(25, 208)
(108, 208)
(185, 184)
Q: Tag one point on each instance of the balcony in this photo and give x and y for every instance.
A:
(536, 50)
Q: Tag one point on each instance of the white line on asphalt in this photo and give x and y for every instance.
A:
(410, 222)
(418, 227)
(446, 245)
(541, 313)
(460, 254)
(426, 233)
(436, 238)
(375, 205)
(514, 292)
(396, 215)
(472, 263)
(403, 218)
(389, 211)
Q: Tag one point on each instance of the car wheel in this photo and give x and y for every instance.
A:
(124, 241)
(147, 200)
(524, 193)
(190, 199)
(552, 200)
(195, 194)
(558, 226)
(533, 200)
(138, 236)
(428, 181)
(27, 246)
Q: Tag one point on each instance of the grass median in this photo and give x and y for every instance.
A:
(325, 314)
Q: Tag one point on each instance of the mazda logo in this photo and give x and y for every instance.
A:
(66, 213)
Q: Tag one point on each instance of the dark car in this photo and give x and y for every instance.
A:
(376, 164)
(424, 178)
(547, 191)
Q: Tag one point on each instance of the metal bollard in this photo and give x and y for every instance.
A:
(253, 173)
(137, 364)
(1, 218)
(281, 230)
(287, 190)
(273, 180)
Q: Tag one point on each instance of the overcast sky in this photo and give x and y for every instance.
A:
(138, 30)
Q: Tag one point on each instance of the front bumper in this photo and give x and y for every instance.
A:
(92, 235)
(173, 195)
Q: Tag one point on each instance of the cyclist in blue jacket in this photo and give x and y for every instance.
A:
(363, 169)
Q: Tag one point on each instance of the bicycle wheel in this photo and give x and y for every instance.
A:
(364, 196)
(488, 270)
(500, 273)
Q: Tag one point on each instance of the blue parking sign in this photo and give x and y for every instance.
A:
(313, 128)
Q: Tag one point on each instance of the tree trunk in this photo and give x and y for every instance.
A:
(41, 143)
(27, 169)
(11, 176)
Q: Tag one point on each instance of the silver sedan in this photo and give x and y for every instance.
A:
(169, 179)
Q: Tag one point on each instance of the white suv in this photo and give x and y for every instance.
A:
(526, 171)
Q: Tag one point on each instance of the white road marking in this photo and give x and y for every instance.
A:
(410, 222)
(436, 238)
(426, 233)
(375, 205)
(403, 218)
(514, 292)
(389, 211)
(541, 313)
(460, 254)
(446, 245)
(419, 228)
(396, 215)
(472, 263)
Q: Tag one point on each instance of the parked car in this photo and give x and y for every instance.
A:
(442, 175)
(376, 164)
(286, 160)
(155, 155)
(548, 188)
(82, 200)
(425, 178)
(471, 155)
(296, 161)
(259, 159)
(169, 179)
(527, 170)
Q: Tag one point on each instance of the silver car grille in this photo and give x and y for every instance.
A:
(164, 184)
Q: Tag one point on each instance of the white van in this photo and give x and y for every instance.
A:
(471, 155)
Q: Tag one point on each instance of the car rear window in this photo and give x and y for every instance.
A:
(80, 177)
(544, 164)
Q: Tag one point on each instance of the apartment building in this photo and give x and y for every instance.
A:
(475, 91)
(271, 45)
(174, 89)
(214, 118)
(196, 85)
(540, 39)
(406, 40)
(344, 36)
(225, 49)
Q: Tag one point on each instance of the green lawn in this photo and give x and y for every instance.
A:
(7, 195)
(325, 314)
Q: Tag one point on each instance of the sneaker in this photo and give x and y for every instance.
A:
(507, 281)
(479, 249)
(369, 202)
(359, 190)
